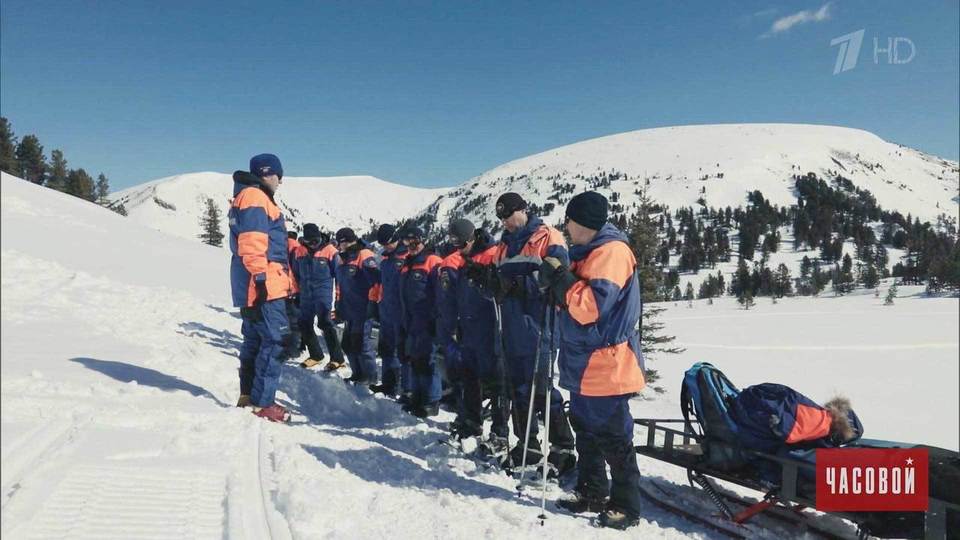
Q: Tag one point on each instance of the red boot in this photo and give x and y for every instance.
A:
(274, 413)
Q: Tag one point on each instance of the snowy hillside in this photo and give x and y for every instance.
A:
(719, 163)
(174, 204)
(118, 366)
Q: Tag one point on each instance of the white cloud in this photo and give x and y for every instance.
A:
(785, 23)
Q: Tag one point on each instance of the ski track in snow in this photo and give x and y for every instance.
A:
(119, 375)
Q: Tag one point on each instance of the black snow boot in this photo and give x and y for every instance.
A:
(562, 461)
(578, 503)
(464, 429)
(424, 411)
(614, 518)
(388, 390)
(534, 455)
(495, 448)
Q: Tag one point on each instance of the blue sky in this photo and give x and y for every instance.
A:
(432, 94)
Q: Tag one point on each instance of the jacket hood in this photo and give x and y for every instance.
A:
(524, 234)
(481, 241)
(243, 179)
(608, 233)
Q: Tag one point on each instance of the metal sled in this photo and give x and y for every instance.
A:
(790, 497)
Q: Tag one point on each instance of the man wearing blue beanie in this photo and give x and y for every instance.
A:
(261, 283)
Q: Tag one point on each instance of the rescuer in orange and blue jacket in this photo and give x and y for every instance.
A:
(315, 263)
(292, 244)
(357, 274)
(481, 354)
(448, 335)
(260, 281)
(418, 282)
(394, 377)
(523, 246)
(600, 358)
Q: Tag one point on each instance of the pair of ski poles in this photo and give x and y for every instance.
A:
(545, 445)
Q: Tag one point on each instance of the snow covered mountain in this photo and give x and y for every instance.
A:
(718, 163)
(118, 377)
(175, 204)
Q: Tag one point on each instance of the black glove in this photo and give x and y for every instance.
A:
(261, 297)
(476, 272)
(373, 311)
(251, 314)
(555, 280)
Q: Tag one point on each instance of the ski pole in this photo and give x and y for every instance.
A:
(546, 426)
(533, 393)
(504, 380)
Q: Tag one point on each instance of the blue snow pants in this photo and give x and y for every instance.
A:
(604, 429)
(261, 354)
(388, 347)
(360, 350)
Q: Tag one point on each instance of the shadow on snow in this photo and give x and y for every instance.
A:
(126, 373)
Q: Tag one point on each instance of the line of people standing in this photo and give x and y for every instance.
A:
(497, 311)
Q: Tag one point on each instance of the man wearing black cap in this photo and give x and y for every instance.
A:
(418, 284)
(356, 276)
(481, 354)
(524, 244)
(261, 283)
(448, 338)
(600, 358)
(315, 267)
(387, 308)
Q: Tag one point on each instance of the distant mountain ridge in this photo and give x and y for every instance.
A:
(716, 165)
(175, 204)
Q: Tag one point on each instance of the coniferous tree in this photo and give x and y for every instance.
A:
(741, 280)
(688, 292)
(868, 276)
(819, 279)
(102, 189)
(891, 294)
(80, 184)
(210, 232)
(57, 171)
(643, 239)
(31, 163)
(746, 300)
(8, 148)
(782, 282)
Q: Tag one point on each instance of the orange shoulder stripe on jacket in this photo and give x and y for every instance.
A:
(487, 256)
(328, 251)
(541, 239)
(253, 197)
(613, 261)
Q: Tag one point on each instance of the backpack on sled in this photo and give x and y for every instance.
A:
(705, 400)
